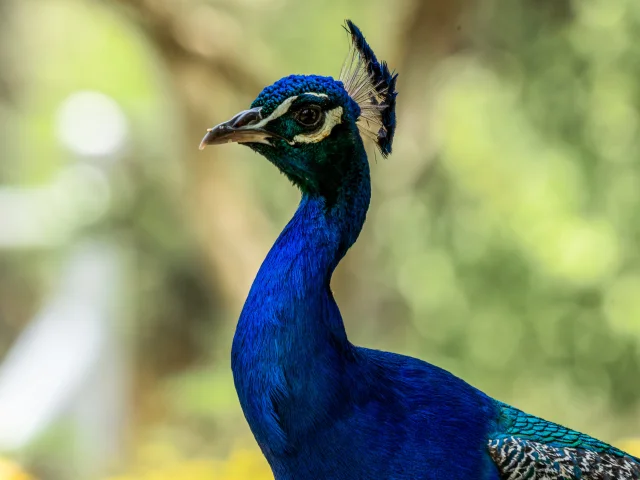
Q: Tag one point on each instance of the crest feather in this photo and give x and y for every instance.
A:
(373, 87)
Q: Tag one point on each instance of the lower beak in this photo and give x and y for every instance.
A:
(245, 127)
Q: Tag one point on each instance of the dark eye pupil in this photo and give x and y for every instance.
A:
(308, 116)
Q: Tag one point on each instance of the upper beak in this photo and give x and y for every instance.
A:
(245, 127)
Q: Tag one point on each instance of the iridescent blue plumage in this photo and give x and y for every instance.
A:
(275, 94)
(320, 407)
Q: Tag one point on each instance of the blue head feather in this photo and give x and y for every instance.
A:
(286, 87)
(320, 164)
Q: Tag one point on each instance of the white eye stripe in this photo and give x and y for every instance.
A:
(332, 118)
(278, 112)
(284, 108)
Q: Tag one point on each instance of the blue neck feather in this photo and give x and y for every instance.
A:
(290, 345)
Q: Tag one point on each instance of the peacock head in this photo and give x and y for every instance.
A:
(311, 127)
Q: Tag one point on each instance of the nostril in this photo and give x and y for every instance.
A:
(246, 118)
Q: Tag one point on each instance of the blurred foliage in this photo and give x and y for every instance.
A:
(161, 462)
(502, 241)
(529, 206)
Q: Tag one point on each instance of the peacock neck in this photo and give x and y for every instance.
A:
(290, 339)
(300, 264)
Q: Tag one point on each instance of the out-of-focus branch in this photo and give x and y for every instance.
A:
(193, 32)
(435, 29)
(4, 82)
(204, 51)
(432, 31)
(12, 75)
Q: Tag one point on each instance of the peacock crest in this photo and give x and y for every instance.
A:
(373, 87)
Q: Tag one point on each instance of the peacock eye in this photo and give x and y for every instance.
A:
(309, 116)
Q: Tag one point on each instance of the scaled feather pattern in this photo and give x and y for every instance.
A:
(531, 448)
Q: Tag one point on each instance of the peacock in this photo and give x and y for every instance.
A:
(319, 406)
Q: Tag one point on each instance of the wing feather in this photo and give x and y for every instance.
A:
(530, 448)
(520, 459)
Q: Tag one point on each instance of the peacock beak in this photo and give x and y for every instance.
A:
(245, 127)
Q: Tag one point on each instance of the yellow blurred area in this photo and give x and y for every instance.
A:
(630, 445)
(12, 471)
(163, 462)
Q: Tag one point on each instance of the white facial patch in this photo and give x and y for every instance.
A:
(332, 118)
(278, 112)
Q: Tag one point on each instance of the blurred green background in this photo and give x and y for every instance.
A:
(502, 242)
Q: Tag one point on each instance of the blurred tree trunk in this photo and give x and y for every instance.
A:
(5, 41)
(436, 29)
(433, 30)
(205, 74)
(12, 314)
(428, 33)
(5, 67)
